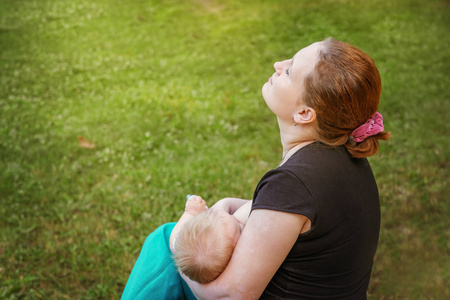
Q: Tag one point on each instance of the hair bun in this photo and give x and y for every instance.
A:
(368, 147)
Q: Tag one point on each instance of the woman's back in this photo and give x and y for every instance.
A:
(339, 195)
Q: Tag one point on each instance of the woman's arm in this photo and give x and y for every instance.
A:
(264, 244)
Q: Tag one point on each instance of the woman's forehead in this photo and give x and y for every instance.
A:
(310, 48)
(306, 58)
(307, 54)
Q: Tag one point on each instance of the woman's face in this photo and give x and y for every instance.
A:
(283, 91)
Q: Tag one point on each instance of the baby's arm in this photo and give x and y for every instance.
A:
(243, 212)
(194, 206)
(230, 205)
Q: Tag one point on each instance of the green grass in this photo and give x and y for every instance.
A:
(169, 91)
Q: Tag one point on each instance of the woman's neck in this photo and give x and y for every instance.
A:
(289, 151)
(294, 138)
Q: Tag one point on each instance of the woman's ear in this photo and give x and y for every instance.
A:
(305, 115)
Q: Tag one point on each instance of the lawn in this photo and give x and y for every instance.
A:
(168, 96)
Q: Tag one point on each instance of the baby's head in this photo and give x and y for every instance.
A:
(205, 244)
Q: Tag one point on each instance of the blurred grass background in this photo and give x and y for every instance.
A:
(169, 91)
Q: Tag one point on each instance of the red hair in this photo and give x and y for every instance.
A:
(344, 89)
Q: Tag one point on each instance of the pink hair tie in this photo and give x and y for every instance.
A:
(373, 126)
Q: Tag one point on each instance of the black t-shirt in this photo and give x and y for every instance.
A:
(338, 193)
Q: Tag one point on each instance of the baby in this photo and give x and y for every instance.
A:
(204, 239)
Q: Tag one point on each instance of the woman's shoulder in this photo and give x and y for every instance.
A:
(320, 167)
(312, 159)
(319, 155)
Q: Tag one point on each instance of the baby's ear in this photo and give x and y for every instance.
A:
(305, 115)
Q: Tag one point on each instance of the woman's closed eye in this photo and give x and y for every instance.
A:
(288, 70)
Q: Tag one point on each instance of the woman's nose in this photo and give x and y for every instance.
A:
(279, 66)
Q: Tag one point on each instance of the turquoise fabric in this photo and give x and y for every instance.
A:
(154, 275)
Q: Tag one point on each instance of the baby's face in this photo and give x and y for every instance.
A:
(234, 227)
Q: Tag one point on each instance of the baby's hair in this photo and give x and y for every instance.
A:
(204, 247)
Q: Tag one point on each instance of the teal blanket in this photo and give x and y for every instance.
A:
(154, 275)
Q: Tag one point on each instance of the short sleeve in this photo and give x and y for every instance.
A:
(282, 190)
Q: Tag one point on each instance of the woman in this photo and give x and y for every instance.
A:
(313, 229)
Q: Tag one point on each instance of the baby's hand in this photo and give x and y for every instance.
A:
(195, 205)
